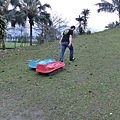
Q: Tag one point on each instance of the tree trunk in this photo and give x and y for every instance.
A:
(30, 34)
(3, 44)
(119, 18)
(119, 21)
(14, 44)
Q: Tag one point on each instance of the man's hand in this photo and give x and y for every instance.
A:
(60, 40)
(69, 44)
(59, 43)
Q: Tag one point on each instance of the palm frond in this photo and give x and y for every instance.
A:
(106, 6)
(43, 7)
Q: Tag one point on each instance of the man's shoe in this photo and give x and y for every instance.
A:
(73, 59)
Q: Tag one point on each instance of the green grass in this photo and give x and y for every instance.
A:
(11, 45)
(87, 89)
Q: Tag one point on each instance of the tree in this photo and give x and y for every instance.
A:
(12, 15)
(4, 4)
(43, 24)
(22, 10)
(80, 20)
(52, 31)
(83, 20)
(2, 31)
(109, 7)
(112, 25)
(85, 14)
(3, 8)
(59, 24)
(35, 11)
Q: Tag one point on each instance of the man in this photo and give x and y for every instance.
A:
(66, 41)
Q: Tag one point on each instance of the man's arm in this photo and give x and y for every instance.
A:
(60, 40)
(70, 40)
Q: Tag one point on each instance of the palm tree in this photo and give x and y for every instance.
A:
(4, 4)
(109, 7)
(13, 15)
(2, 31)
(34, 10)
(15, 3)
(83, 20)
(80, 20)
(85, 14)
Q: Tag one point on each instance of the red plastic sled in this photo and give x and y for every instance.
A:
(48, 68)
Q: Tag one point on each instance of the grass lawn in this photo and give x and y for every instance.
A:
(87, 89)
(12, 45)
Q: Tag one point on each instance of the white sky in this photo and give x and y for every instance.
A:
(71, 9)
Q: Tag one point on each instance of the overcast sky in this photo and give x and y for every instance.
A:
(71, 9)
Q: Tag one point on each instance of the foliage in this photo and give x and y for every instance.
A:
(53, 31)
(12, 15)
(85, 14)
(2, 27)
(36, 12)
(22, 10)
(83, 21)
(112, 25)
(109, 7)
(32, 10)
(80, 28)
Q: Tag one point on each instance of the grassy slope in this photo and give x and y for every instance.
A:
(88, 89)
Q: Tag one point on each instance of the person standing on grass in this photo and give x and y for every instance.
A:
(66, 41)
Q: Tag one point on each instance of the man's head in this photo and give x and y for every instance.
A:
(72, 27)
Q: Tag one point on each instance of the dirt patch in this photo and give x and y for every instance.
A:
(3, 51)
(12, 109)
